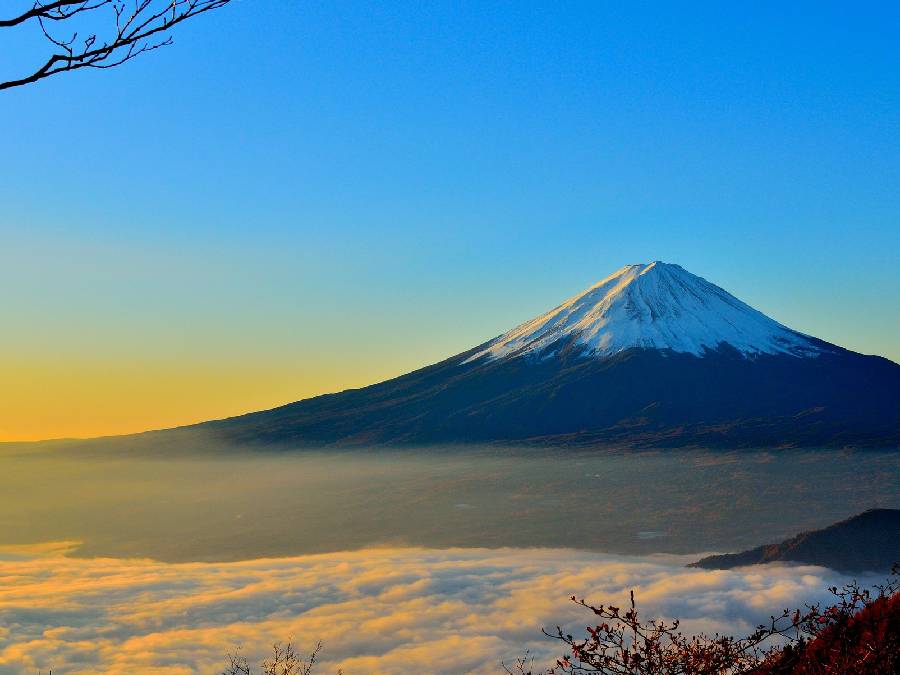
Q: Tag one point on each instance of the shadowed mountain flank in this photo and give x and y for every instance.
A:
(869, 542)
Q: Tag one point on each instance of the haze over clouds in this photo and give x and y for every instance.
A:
(377, 611)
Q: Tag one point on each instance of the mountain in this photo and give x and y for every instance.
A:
(869, 542)
(651, 356)
(655, 306)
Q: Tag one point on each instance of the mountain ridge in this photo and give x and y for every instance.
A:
(868, 542)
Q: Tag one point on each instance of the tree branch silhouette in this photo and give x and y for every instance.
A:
(134, 28)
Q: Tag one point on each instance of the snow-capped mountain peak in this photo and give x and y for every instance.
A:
(652, 306)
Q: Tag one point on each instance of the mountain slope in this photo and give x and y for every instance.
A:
(869, 542)
(650, 356)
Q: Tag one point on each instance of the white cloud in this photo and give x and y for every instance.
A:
(377, 611)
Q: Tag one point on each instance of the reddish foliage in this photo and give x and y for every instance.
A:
(859, 633)
(866, 642)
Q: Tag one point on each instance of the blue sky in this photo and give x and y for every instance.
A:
(316, 195)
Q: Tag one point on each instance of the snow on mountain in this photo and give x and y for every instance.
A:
(655, 306)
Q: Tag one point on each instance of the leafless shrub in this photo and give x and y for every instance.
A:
(285, 660)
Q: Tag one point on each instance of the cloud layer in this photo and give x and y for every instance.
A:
(386, 611)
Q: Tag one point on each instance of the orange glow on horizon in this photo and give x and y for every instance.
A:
(42, 401)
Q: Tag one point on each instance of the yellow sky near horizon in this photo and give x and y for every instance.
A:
(42, 400)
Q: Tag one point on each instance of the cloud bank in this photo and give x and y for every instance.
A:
(378, 611)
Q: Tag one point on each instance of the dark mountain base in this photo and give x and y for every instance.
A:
(639, 398)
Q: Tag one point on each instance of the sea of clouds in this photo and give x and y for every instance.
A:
(398, 610)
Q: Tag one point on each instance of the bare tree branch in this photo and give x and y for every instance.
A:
(134, 29)
(54, 11)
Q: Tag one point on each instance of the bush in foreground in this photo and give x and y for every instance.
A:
(859, 633)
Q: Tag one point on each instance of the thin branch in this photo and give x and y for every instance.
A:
(54, 11)
(139, 30)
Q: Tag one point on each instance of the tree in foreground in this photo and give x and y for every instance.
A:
(98, 33)
(284, 661)
(859, 633)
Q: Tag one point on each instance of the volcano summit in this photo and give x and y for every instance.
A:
(651, 356)
(656, 306)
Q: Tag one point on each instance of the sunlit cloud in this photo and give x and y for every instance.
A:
(377, 611)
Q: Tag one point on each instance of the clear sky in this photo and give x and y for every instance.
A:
(298, 197)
